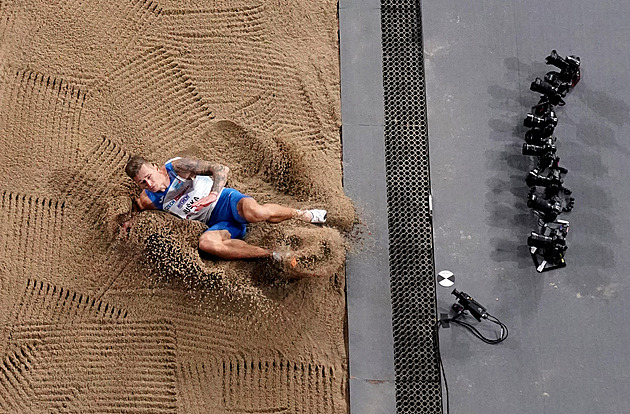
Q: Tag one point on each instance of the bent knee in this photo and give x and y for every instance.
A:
(212, 241)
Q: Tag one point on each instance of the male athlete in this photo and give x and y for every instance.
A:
(195, 189)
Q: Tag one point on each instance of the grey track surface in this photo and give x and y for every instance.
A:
(370, 337)
(569, 334)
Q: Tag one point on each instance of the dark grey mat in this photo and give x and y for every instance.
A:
(370, 340)
(567, 351)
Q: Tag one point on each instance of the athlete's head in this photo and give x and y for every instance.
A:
(146, 174)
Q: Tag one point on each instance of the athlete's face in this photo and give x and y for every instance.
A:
(151, 178)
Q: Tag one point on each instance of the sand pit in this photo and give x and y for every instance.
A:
(90, 322)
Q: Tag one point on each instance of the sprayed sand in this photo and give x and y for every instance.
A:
(91, 323)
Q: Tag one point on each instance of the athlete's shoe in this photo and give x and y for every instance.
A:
(284, 257)
(318, 216)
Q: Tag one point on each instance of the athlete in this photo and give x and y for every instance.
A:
(194, 189)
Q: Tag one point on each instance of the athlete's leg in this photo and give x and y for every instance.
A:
(250, 210)
(219, 243)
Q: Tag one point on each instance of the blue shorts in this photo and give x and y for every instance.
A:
(225, 214)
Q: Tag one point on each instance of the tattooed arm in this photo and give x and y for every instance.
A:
(190, 167)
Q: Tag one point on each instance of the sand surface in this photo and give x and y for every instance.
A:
(91, 323)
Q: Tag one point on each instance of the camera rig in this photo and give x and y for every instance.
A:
(467, 303)
(569, 70)
(548, 175)
(547, 246)
(548, 197)
(556, 84)
(537, 135)
(550, 92)
(542, 122)
(544, 149)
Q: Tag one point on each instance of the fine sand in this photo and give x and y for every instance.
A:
(92, 323)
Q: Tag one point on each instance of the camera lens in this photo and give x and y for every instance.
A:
(534, 178)
(538, 150)
(534, 150)
(543, 206)
(539, 204)
(538, 240)
(532, 121)
(543, 87)
(529, 149)
(538, 135)
(556, 60)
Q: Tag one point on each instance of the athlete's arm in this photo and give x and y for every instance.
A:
(189, 167)
(142, 203)
(137, 204)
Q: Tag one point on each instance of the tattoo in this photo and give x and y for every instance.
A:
(218, 172)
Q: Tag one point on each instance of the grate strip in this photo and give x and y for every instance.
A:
(412, 270)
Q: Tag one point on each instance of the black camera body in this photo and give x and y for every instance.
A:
(543, 107)
(556, 79)
(549, 244)
(546, 210)
(541, 121)
(551, 93)
(569, 67)
(547, 161)
(544, 149)
(471, 305)
(537, 178)
(539, 240)
(537, 136)
(550, 178)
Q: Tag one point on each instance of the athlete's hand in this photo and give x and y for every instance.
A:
(124, 229)
(206, 201)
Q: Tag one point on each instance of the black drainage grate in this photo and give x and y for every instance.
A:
(418, 387)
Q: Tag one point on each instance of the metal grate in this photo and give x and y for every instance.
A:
(412, 278)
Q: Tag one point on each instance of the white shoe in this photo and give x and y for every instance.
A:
(318, 216)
